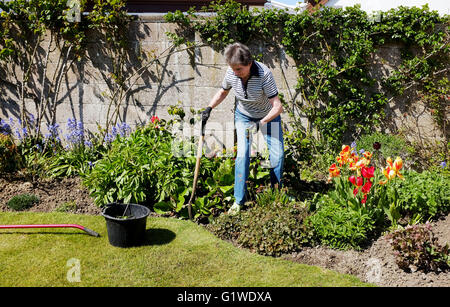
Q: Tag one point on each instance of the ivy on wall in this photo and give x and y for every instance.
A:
(335, 52)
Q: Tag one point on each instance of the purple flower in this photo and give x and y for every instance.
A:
(122, 130)
(443, 164)
(108, 138)
(75, 135)
(53, 131)
(22, 133)
(5, 128)
(88, 144)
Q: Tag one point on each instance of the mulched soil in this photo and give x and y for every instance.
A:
(376, 264)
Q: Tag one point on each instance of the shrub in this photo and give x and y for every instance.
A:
(268, 230)
(416, 246)
(70, 206)
(274, 230)
(341, 227)
(226, 226)
(22, 202)
(136, 168)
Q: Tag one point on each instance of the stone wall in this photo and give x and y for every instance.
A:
(190, 78)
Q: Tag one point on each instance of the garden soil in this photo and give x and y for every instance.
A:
(54, 194)
(376, 264)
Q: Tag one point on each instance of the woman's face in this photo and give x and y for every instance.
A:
(242, 71)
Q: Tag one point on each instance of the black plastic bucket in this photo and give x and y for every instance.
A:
(128, 231)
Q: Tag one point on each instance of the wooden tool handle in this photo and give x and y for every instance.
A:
(196, 171)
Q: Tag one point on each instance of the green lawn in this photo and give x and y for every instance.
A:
(177, 253)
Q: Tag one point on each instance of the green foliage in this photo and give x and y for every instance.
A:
(341, 227)
(417, 247)
(274, 229)
(72, 162)
(391, 145)
(435, 96)
(234, 22)
(226, 226)
(141, 168)
(23, 46)
(266, 228)
(22, 202)
(24, 27)
(425, 194)
(270, 196)
(333, 50)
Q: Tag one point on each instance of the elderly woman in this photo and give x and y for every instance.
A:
(257, 107)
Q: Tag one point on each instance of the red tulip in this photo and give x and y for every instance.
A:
(367, 172)
(352, 179)
(154, 119)
(359, 181)
(366, 188)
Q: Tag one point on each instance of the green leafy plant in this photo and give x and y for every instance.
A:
(226, 227)
(425, 195)
(268, 229)
(339, 226)
(22, 201)
(33, 32)
(416, 246)
(275, 229)
(139, 169)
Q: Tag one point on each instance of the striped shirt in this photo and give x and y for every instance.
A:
(252, 98)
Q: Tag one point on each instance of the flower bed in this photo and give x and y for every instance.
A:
(366, 194)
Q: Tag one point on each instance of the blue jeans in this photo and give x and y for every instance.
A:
(273, 135)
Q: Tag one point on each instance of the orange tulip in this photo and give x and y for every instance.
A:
(392, 170)
(398, 164)
(367, 155)
(334, 171)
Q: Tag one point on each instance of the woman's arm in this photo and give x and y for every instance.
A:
(276, 110)
(218, 98)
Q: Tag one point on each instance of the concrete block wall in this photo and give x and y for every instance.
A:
(188, 78)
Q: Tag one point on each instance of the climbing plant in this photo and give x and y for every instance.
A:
(37, 35)
(335, 52)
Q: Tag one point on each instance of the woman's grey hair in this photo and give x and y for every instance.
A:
(238, 54)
